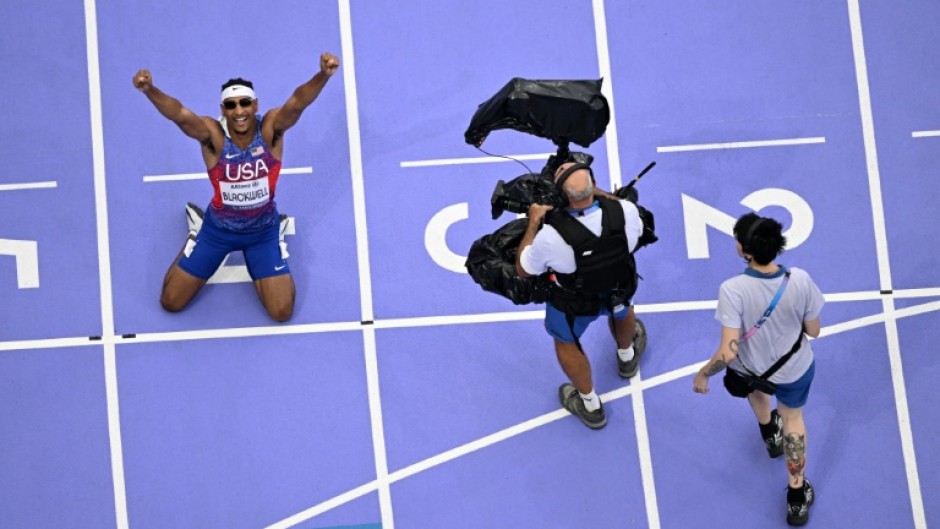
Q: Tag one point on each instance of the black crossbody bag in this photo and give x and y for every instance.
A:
(762, 383)
(741, 384)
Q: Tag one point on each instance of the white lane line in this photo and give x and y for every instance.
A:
(476, 159)
(321, 508)
(48, 343)
(104, 267)
(741, 144)
(884, 266)
(29, 185)
(645, 454)
(243, 332)
(613, 166)
(925, 133)
(378, 427)
(204, 176)
(904, 415)
(365, 273)
(607, 89)
(436, 321)
(871, 150)
(916, 293)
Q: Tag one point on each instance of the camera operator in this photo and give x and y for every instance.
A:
(599, 279)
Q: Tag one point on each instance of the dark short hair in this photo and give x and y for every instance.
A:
(237, 81)
(765, 242)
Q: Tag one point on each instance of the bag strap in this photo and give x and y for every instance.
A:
(773, 304)
(796, 345)
(570, 319)
(783, 359)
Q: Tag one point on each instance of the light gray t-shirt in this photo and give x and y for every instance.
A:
(743, 299)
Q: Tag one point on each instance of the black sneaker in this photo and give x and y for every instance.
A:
(798, 512)
(571, 401)
(629, 368)
(774, 443)
(194, 216)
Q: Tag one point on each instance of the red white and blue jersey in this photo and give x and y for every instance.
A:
(244, 182)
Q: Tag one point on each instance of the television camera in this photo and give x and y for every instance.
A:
(562, 111)
(565, 112)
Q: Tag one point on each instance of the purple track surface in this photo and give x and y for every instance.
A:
(401, 395)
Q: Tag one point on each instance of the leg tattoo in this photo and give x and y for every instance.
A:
(795, 448)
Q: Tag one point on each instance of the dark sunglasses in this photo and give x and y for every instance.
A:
(245, 102)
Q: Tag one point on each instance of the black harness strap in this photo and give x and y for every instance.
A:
(598, 258)
(570, 319)
(595, 256)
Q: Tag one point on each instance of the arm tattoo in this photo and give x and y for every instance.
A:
(716, 368)
(795, 447)
(733, 345)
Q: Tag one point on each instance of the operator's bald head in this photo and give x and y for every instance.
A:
(578, 186)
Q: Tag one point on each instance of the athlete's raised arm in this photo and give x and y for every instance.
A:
(194, 126)
(287, 115)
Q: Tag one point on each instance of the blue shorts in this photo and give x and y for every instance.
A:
(557, 325)
(261, 249)
(794, 394)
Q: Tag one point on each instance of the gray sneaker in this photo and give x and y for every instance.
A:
(571, 401)
(628, 369)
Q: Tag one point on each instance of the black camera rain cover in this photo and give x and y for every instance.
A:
(562, 111)
(491, 263)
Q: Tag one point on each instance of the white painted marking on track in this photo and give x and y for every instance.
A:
(613, 169)
(474, 160)
(884, 266)
(741, 144)
(26, 254)
(104, 267)
(29, 185)
(203, 176)
(365, 273)
(435, 237)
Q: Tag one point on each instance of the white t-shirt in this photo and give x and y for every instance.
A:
(743, 299)
(549, 250)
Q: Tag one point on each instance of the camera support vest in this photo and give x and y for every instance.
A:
(603, 263)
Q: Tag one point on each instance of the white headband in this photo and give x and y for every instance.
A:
(237, 91)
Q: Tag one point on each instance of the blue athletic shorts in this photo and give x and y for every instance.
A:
(557, 325)
(261, 249)
(794, 394)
